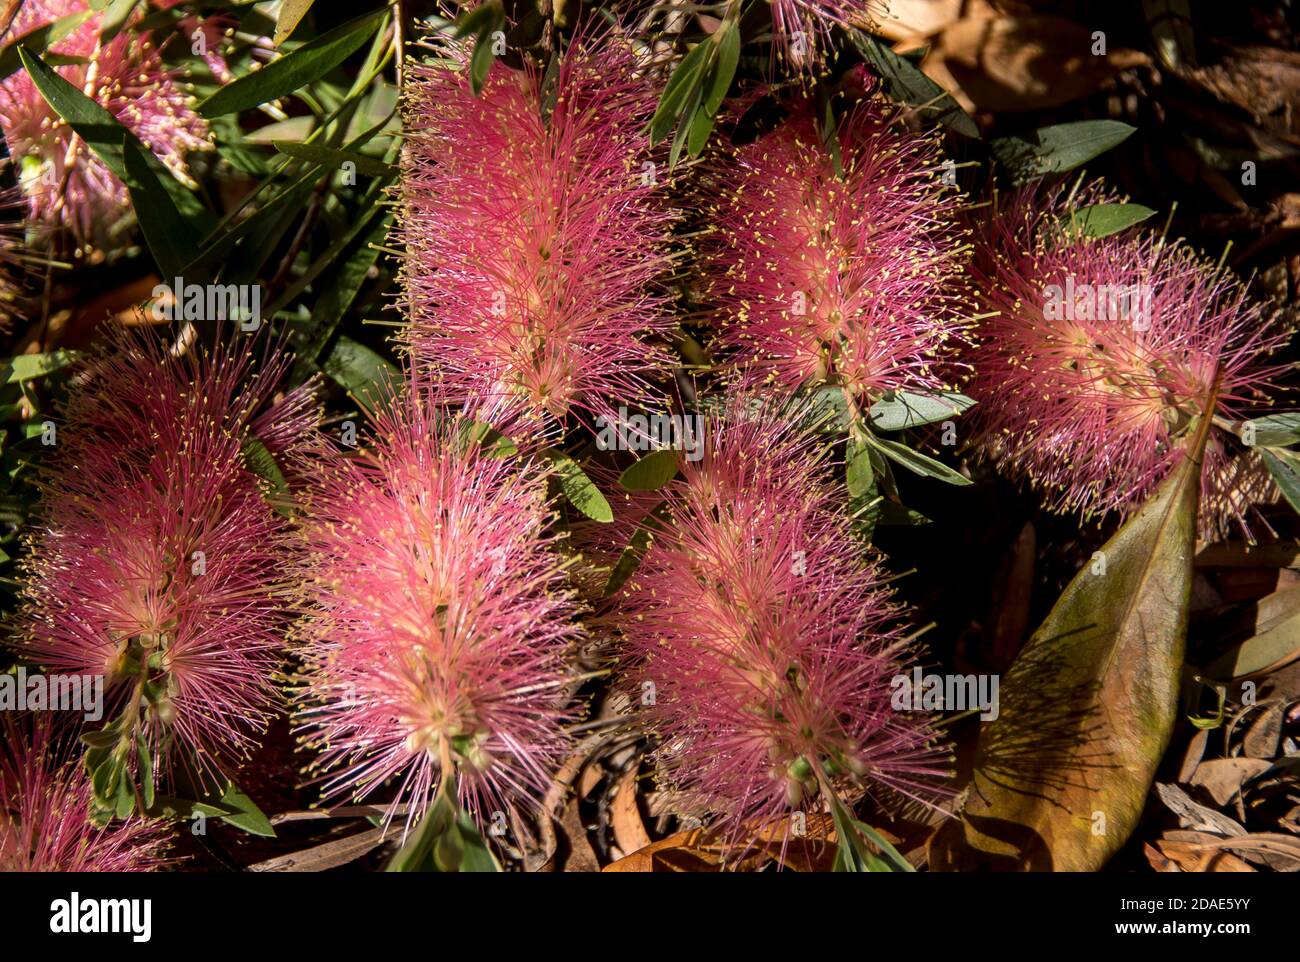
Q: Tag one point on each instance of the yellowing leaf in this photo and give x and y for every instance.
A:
(1062, 773)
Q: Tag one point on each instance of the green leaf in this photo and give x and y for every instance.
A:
(1284, 465)
(475, 854)
(915, 461)
(650, 473)
(858, 473)
(291, 14)
(417, 853)
(367, 376)
(854, 855)
(631, 557)
(829, 408)
(168, 806)
(101, 738)
(1051, 150)
(578, 488)
(906, 409)
(480, 62)
(724, 70)
(27, 367)
(493, 442)
(330, 157)
(115, 17)
(684, 130)
(892, 513)
(1088, 707)
(1102, 220)
(144, 756)
(245, 814)
(262, 463)
(37, 41)
(483, 17)
(1272, 431)
(908, 84)
(105, 777)
(124, 800)
(684, 82)
(698, 136)
(339, 290)
(171, 239)
(96, 126)
(306, 64)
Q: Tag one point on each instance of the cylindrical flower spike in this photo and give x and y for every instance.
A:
(46, 808)
(765, 639)
(156, 561)
(535, 232)
(818, 278)
(437, 622)
(1100, 352)
(67, 185)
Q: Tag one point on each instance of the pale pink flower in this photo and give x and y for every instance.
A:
(155, 559)
(45, 811)
(817, 278)
(1102, 352)
(535, 232)
(436, 620)
(765, 635)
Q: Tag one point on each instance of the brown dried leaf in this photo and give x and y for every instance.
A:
(698, 850)
(327, 855)
(1195, 816)
(915, 19)
(625, 814)
(1222, 778)
(1022, 63)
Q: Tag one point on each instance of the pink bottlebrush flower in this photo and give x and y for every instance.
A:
(66, 183)
(156, 561)
(801, 28)
(216, 30)
(821, 279)
(45, 811)
(436, 619)
(766, 635)
(1101, 352)
(534, 240)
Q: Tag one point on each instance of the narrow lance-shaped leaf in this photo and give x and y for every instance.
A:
(307, 64)
(1087, 709)
(908, 84)
(1284, 465)
(172, 241)
(652, 472)
(291, 14)
(331, 157)
(1051, 150)
(1102, 220)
